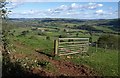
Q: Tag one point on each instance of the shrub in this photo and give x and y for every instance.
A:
(108, 41)
(24, 32)
(70, 40)
(62, 36)
(90, 39)
(77, 34)
(41, 33)
(47, 38)
(43, 63)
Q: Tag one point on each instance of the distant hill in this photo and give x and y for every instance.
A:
(110, 23)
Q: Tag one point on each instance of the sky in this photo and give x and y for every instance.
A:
(76, 10)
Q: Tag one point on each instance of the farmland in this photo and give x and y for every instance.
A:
(31, 45)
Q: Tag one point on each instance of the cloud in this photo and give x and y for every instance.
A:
(51, 11)
(100, 5)
(94, 5)
(73, 13)
(63, 6)
(67, 0)
(62, 9)
(74, 10)
(29, 12)
(105, 13)
(116, 11)
(86, 6)
(99, 12)
(13, 5)
(58, 10)
(75, 6)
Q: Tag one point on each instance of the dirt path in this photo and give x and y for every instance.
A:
(64, 68)
(67, 68)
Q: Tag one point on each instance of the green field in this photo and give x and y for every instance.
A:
(104, 62)
(40, 37)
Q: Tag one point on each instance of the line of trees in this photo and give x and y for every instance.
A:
(109, 42)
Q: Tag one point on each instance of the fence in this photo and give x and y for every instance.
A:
(66, 46)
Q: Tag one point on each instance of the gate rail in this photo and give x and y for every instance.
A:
(66, 46)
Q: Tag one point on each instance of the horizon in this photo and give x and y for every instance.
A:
(66, 18)
(69, 10)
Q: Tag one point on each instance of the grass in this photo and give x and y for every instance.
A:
(47, 66)
(105, 29)
(105, 63)
(28, 44)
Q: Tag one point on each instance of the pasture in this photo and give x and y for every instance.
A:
(33, 46)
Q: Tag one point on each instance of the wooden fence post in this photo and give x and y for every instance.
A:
(105, 48)
(96, 46)
(55, 47)
(88, 44)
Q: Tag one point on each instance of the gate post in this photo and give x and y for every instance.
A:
(96, 47)
(56, 47)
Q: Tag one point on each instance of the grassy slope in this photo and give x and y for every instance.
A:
(105, 63)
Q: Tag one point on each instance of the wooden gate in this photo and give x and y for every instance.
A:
(66, 46)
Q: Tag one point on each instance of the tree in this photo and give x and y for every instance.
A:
(5, 30)
(24, 32)
(108, 41)
(4, 16)
(62, 36)
(90, 39)
(77, 34)
(64, 30)
(47, 37)
(3, 10)
(91, 35)
(5, 53)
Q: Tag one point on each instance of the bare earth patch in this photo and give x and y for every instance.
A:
(63, 68)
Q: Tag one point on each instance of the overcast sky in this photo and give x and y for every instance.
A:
(78, 10)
